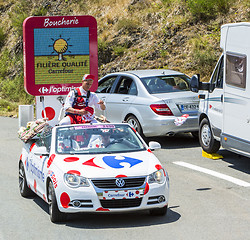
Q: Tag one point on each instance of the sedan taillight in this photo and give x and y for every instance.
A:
(161, 109)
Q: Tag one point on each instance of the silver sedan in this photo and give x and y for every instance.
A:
(154, 102)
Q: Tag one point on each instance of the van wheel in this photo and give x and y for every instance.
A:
(206, 138)
(134, 123)
(25, 191)
(55, 214)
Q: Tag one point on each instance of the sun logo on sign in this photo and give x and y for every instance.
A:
(60, 46)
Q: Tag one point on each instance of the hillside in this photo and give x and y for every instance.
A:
(132, 34)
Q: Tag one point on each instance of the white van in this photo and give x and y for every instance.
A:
(224, 110)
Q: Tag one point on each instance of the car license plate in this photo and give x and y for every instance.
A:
(124, 194)
(189, 107)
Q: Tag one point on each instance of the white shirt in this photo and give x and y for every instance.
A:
(97, 143)
(93, 99)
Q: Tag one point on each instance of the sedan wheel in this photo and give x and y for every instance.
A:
(25, 191)
(207, 141)
(55, 214)
(134, 123)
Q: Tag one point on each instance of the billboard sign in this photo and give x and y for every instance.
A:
(58, 51)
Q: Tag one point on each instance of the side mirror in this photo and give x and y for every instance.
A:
(42, 151)
(154, 145)
(195, 83)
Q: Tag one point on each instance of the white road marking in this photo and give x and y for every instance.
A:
(215, 174)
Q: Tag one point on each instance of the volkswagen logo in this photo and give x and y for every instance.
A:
(119, 182)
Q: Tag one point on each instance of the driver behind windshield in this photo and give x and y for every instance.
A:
(102, 141)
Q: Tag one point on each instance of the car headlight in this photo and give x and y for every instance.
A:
(75, 181)
(157, 177)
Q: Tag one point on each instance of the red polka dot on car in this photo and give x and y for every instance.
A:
(146, 189)
(50, 113)
(44, 198)
(51, 159)
(35, 185)
(74, 172)
(102, 209)
(31, 147)
(158, 166)
(71, 159)
(120, 176)
(65, 199)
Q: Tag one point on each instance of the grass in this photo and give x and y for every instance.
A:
(204, 54)
(205, 10)
(8, 108)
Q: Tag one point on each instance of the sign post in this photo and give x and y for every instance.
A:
(58, 51)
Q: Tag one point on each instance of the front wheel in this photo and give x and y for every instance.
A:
(25, 191)
(206, 138)
(55, 214)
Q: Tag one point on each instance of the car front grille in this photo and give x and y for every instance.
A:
(121, 203)
(110, 183)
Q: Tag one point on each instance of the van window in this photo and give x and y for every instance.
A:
(217, 77)
(236, 70)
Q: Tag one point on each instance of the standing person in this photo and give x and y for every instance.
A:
(79, 102)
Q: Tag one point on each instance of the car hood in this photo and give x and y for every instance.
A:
(108, 165)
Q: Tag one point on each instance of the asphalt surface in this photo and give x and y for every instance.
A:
(201, 206)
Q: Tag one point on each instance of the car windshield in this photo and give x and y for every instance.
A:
(97, 139)
(166, 84)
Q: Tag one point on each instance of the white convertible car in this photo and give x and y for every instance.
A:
(91, 168)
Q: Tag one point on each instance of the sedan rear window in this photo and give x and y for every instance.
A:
(166, 84)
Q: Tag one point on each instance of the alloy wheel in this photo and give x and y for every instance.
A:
(206, 135)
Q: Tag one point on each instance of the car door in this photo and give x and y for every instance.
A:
(105, 87)
(214, 99)
(35, 165)
(37, 161)
(120, 100)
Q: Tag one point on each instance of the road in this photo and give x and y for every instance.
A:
(201, 206)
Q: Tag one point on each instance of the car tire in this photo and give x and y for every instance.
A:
(25, 191)
(134, 123)
(55, 214)
(159, 211)
(206, 138)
